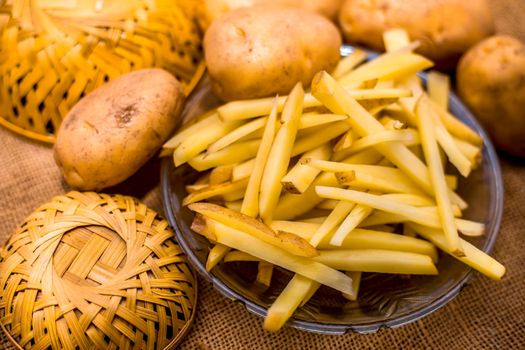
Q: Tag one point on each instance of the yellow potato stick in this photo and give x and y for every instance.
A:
(319, 137)
(233, 195)
(387, 67)
(264, 274)
(401, 212)
(457, 200)
(311, 291)
(356, 282)
(457, 127)
(473, 153)
(237, 134)
(195, 188)
(289, 242)
(348, 63)
(300, 177)
(298, 289)
(232, 154)
(474, 257)
(280, 154)
(302, 229)
(411, 199)
(243, 170)
(215, 190)
(247, 109)
(199, 141)
(221, 174)
(367, 156)
(378, 260)
(333, 96)
(392, 124)
(306, 267)
(408, 137)
(237, 255)
(332, 222)
(395, 39)
(344, 141)
(309, 120)
(250, 204)
(316, 220)
(234, 205)
(216, 254)
(437, 175)
(328, 204)
(211, 118)
(438, 86)
(352, 220)
(375, 106)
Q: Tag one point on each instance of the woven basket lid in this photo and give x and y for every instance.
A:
(53, 52)
(90, 270)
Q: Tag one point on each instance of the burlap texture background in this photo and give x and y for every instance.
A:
(485, 315)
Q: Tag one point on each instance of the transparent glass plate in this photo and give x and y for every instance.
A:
(384, 300)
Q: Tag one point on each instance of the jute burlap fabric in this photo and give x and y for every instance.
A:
(485, 315)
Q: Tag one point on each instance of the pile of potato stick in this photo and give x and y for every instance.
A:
(344, 179)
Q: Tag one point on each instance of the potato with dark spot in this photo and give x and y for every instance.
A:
(109, 134)
(491, 80)
(445, 28)
(260, 51)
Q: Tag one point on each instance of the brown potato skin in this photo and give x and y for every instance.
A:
(491, 80)
(212, 9)
(445, 28)
(259, 51)
(109, 134)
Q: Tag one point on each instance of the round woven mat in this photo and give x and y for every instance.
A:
(90, 270)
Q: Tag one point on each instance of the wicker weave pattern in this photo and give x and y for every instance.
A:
(53, 52)
(91, 270)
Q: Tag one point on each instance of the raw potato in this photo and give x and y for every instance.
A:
(491, 80)
(259, 51)
(113, 131)
(445, 28)
(213, 9)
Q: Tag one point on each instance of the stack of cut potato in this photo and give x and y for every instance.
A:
(345, 179)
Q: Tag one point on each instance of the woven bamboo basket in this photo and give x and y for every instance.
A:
(53, 52)
(94, 271)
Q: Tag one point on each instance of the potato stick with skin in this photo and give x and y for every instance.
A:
(424, 216)
(319, 137)
(309, 120)
(356, 282)
(211, 118)
(297, 290)
(264, 273)
(280, 154)
(438, 86)
(243, 170)
(237, 134)
(474, 257)
(291, 205)
(456, 127)
(353, 219)
(289, 242)
(247, 109)
(199, 141)
(348, 63)
(301, 265)
(300, 177)
(235, 153)
(221, 174)
(437, 175)
(333, 220)
(378, 260)
(327, 204)
(216, 254)
(214, 190)
(250, 204)
(344, 141)
(333, 96)
(303, 229)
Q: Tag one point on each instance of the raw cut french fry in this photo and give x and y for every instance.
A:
(473, 153)
(280, 154)
(288, 242)
(395, 39)
(438, 86)
(437, 175)
(250, 204)
(243, 170)
(474, 257)
(237, 134)
(232, 154)
(221, 174)
(237, 255)
(408, 137)
(392, 124)
(333, 96)
(211, 117)
(316, 220)
(194, 188)
(327, 204)
(344, 141)
(233, 205)
(300, 177)
(375, 106)
(317, 138)
(288, 301)
(356, 282)
(306, 267)
(346, 64)
(264, 274)
(353, 219)
(214, 190)
(378, 260)
(309, 120)
(216, 254)
(303, 229)
(457, 127)
(410, 199)
(332, 221)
